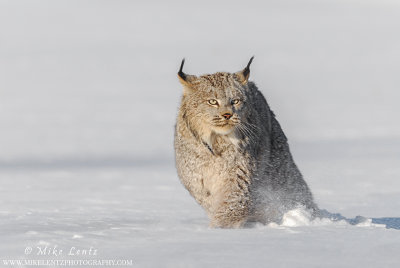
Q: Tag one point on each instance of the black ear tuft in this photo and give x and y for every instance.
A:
(246, 70)
(180, 73)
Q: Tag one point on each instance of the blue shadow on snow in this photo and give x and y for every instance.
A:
(390, 223)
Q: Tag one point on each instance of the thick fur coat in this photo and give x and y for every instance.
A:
(231, 153)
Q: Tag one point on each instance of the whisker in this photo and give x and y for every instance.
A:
(252, 133)
(255, 127)
(247, 132)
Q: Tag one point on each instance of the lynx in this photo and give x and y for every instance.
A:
(231, 153)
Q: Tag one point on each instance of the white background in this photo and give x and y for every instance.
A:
(88, 100)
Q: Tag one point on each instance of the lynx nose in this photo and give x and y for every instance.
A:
(227, 115)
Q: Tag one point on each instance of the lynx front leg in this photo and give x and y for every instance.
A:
(231, 212)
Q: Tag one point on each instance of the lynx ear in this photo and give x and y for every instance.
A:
(186, 80)
(243, 76)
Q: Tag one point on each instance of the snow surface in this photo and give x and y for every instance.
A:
(88, 99)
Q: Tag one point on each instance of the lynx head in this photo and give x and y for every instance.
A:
(214, 103)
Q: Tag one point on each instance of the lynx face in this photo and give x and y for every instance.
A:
(215, 103)
(218, 107)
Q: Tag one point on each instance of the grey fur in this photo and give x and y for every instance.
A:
(240, 170)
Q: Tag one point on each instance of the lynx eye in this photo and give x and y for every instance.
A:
(235, 101)
(212, 102)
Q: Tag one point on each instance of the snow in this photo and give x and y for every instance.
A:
(88, 99)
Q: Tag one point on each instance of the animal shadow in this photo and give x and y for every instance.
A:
(389, 222)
